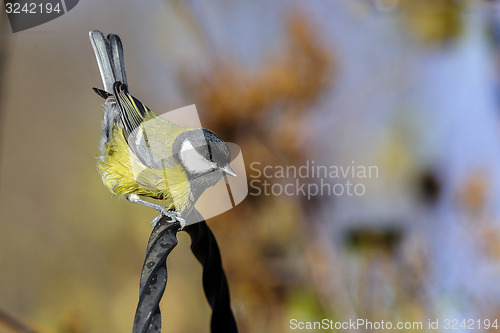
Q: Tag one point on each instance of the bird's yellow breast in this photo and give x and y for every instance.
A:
(123, 173)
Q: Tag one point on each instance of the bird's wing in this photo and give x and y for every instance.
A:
(132, 111)
(148, 136)
(133, 114)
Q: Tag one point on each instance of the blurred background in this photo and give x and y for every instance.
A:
(408, 86)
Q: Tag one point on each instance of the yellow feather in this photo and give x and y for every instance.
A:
(123, 173)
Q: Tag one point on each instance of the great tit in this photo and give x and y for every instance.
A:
(144, 155)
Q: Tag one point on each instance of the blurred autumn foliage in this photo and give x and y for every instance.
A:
(264, 106)
(262, 111)
(434, 21)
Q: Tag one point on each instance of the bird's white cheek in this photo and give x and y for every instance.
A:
(193, 161)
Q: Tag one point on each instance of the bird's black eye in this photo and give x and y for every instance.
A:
(216, 149)
(209, 148)
(205, 150)
(219, 153)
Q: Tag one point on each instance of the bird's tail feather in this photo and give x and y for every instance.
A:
(109, 54)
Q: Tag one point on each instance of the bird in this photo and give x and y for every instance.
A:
(143, 155)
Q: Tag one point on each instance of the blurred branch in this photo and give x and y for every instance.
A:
(13, 323)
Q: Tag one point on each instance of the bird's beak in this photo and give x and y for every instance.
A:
(227, 169)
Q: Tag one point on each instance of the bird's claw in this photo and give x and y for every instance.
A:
(173, 217)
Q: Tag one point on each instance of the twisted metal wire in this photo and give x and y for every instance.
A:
(206, 250)
(162, 241)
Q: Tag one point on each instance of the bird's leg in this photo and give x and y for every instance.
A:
(174, 216)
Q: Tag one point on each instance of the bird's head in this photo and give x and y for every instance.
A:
(203, 155)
